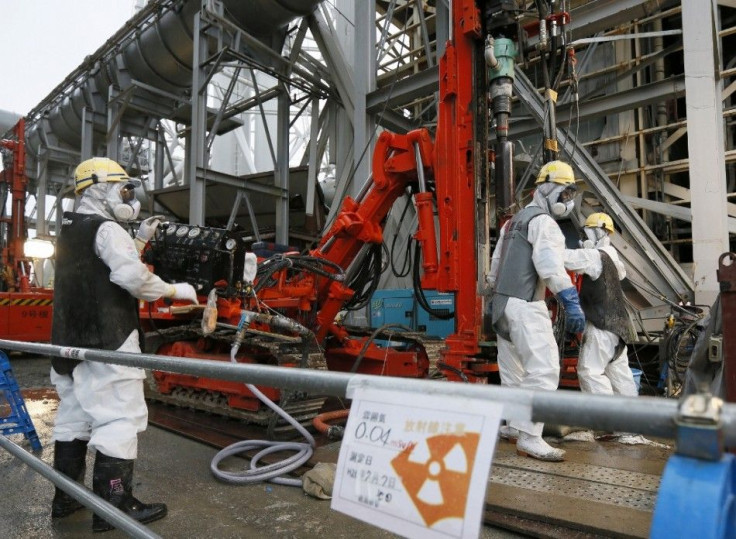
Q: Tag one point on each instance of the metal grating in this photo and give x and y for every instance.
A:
(594, 483)
(587, 472)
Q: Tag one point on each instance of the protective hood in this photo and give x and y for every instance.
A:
(548, 196)
(106, 200)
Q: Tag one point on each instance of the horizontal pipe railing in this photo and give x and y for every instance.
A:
(109, 512)
(645, 415)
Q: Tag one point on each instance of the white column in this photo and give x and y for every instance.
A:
(703, 88)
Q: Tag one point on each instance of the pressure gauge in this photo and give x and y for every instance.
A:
(230, 244)
(170, 230)
(194, 232)
(182, 231)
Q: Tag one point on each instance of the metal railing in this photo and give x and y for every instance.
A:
(645, 415)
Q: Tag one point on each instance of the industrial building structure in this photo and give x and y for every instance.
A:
(259, 118)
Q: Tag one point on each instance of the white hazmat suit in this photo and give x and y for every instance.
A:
(104, 403)
(598, 370)
(99, 278)
(530, 359)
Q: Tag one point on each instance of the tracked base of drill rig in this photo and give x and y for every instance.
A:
(232, 399)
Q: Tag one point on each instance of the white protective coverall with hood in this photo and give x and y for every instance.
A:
(598, 370)
(102, 405)
(103, 402)
(530, 360)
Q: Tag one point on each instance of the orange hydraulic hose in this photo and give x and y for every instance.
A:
(320, 422)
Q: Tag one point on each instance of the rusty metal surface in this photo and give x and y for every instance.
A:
(727, 280)
(603, 488)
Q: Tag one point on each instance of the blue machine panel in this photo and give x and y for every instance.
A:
(431, 325)
(392, 307)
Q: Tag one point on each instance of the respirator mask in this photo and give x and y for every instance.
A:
(122, 201)
(559, 199)
(598, 237)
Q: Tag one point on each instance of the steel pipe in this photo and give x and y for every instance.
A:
(155, 48)
(645, 415)
(102, 508)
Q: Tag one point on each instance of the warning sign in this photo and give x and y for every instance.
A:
(416, 464)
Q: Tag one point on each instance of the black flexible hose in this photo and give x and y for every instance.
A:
(361, 354)
(419, 293)
(445, 367)
(406, 264)
(365, 281)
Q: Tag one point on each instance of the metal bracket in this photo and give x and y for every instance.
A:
(715, 349)
(699, 427)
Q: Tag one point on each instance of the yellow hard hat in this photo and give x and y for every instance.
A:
(97, 170)
(600, 220)
(557, 172)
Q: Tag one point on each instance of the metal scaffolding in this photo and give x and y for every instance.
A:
(200, 93)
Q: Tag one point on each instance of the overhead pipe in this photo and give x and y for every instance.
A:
(153, 49)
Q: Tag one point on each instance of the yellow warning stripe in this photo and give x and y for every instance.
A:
(26, 302)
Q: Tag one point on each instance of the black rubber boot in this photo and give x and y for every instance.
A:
(112, 480)
(69, 459)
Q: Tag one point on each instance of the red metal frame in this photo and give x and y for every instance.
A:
(25, 311)
(456, 187)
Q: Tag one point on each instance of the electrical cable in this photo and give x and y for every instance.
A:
(679, 345)
(683, 309)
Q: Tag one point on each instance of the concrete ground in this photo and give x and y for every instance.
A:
(172, 469)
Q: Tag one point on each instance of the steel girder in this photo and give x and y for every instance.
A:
(662, 272)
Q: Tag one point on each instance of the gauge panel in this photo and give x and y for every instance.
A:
(199, 255)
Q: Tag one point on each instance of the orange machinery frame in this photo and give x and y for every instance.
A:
(25, 311)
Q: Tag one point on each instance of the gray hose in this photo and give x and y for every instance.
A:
(271, 472)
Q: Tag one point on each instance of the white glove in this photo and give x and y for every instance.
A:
(183, 291)
(587, 244)
(148, 227)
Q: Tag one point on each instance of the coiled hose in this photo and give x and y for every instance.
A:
(270, 472)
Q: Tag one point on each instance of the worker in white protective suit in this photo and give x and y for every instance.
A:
(603, 364)
(99, 278)
(528, 259)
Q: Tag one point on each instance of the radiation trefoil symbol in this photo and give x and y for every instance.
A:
(436, 474)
